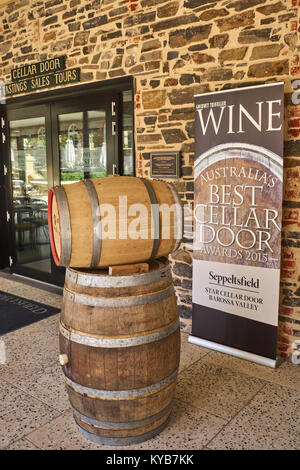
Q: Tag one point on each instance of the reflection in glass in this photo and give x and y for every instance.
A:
(127, 137)
(82, 141)
(30, 192)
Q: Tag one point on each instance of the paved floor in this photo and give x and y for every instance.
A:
(221, 402)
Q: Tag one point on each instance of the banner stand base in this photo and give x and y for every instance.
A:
(265, 361)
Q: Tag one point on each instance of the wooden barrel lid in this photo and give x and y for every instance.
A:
(54, 227)
(59, 226)
(158, 269)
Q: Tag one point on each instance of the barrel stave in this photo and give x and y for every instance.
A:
(130, 431)
(118, 410)
(123, 351)
(118, 322)
(119, 292)
(167, 230)
(83, 236)
(121, 368)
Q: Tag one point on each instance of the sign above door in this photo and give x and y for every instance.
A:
(46, 74)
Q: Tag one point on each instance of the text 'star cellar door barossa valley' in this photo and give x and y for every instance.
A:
(238, 209)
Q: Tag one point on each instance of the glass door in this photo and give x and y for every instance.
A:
(63, 140)
(84, 140)
(31, 179)
(83, 143)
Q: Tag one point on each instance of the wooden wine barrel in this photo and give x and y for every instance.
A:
(89, 226)
(120, 349)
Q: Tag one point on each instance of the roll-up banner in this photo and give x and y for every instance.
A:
(237, 220)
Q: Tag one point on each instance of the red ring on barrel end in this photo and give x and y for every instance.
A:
(51, 236)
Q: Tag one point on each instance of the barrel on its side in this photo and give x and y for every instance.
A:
(120, 340)
(114, 220)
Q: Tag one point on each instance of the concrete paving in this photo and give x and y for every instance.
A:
(221, 402)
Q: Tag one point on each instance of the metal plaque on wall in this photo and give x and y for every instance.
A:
(165, 165)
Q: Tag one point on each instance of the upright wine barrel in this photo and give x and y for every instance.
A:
(113, 221)
(120, 349)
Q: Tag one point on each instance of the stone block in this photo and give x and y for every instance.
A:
(198, 47)
(201, 58)
(61, 46)
(150, 121)
(241, 5)
(86, 77)
(51, 20)
(236, 21)
(136, 69)
(182, 270)
(182, 114)
(271, 9)
(182, 255)
(182, 96)
(197, 3)
(231, 55)
(211, 14)
(173, 136)
(170, 9)
(52, 3)
(95, 22)
(187, 284)
(266, 52)
(219, 40)
(130, 60)
(171, 82)
(250, 36)
(150, 45)
(118, 11)
(152, 65)
(173, 23)
(139, 18)
(190, 129)
(148, 138)
(154, 83)
(154, 99)
(117, 73)
(5, 47)
(185, 311)
(172, 55)
(51, 36)
(217, 75)
(117, 62)
(81, 38)
(151, 3)
(152, 55)
(269, 69)
(183, 37)
(74, 26)
(188, 79)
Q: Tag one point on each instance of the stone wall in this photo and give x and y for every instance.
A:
(289, 314)
(176, 49)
